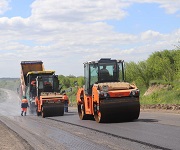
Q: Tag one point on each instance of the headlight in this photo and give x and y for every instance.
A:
(105, 88)
(103, 94)
(135, 93)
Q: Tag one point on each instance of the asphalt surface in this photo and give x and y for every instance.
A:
(159, 130)
(153, 130)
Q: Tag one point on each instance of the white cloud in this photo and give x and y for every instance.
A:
(78, 10)
(150, 35)
(170, 6)
(4, 6)
(67, 33)
(141, 47)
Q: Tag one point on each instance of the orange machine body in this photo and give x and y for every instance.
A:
(105, 95)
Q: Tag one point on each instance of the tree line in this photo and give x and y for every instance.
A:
(70, 81)
(160, 66)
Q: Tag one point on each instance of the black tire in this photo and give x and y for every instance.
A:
(81, 112)
(98, 116)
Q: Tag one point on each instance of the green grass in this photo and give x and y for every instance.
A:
(156, 82)
(170, 95)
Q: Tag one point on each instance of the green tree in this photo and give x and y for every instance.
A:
(138, 73)
(162, 65)
(177, 64)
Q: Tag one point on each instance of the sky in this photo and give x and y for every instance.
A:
(66, 33)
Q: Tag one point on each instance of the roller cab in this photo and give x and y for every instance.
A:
(48, 101)
(106, 96)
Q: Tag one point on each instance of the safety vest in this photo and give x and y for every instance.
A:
(24, 103)
(65, 97)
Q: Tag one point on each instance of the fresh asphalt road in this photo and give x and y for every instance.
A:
(153, 130)
(159, 129)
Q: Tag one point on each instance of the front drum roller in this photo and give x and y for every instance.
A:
(52, 110)
(123, 109)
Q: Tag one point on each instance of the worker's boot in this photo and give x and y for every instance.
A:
(25, 113)
(22, 113)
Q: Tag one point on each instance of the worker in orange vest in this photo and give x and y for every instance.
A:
(24, 105)
(66, 102)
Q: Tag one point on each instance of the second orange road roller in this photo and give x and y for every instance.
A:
(106, 96)
(42, 89)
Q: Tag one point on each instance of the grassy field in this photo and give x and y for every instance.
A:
(165, 94)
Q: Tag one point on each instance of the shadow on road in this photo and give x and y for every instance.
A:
(139, 120)
(146, 120)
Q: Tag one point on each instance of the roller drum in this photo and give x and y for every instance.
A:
(121, 109)
(53, 110)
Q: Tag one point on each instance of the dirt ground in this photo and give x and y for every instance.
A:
(10, 140)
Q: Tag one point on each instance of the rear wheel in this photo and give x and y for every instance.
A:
(82, 114)
(98, 114)
(81, 111)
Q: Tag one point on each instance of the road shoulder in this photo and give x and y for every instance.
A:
(160, 110)
(11, 140)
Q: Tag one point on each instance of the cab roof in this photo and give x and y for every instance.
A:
(104, 60)
(41, 72)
